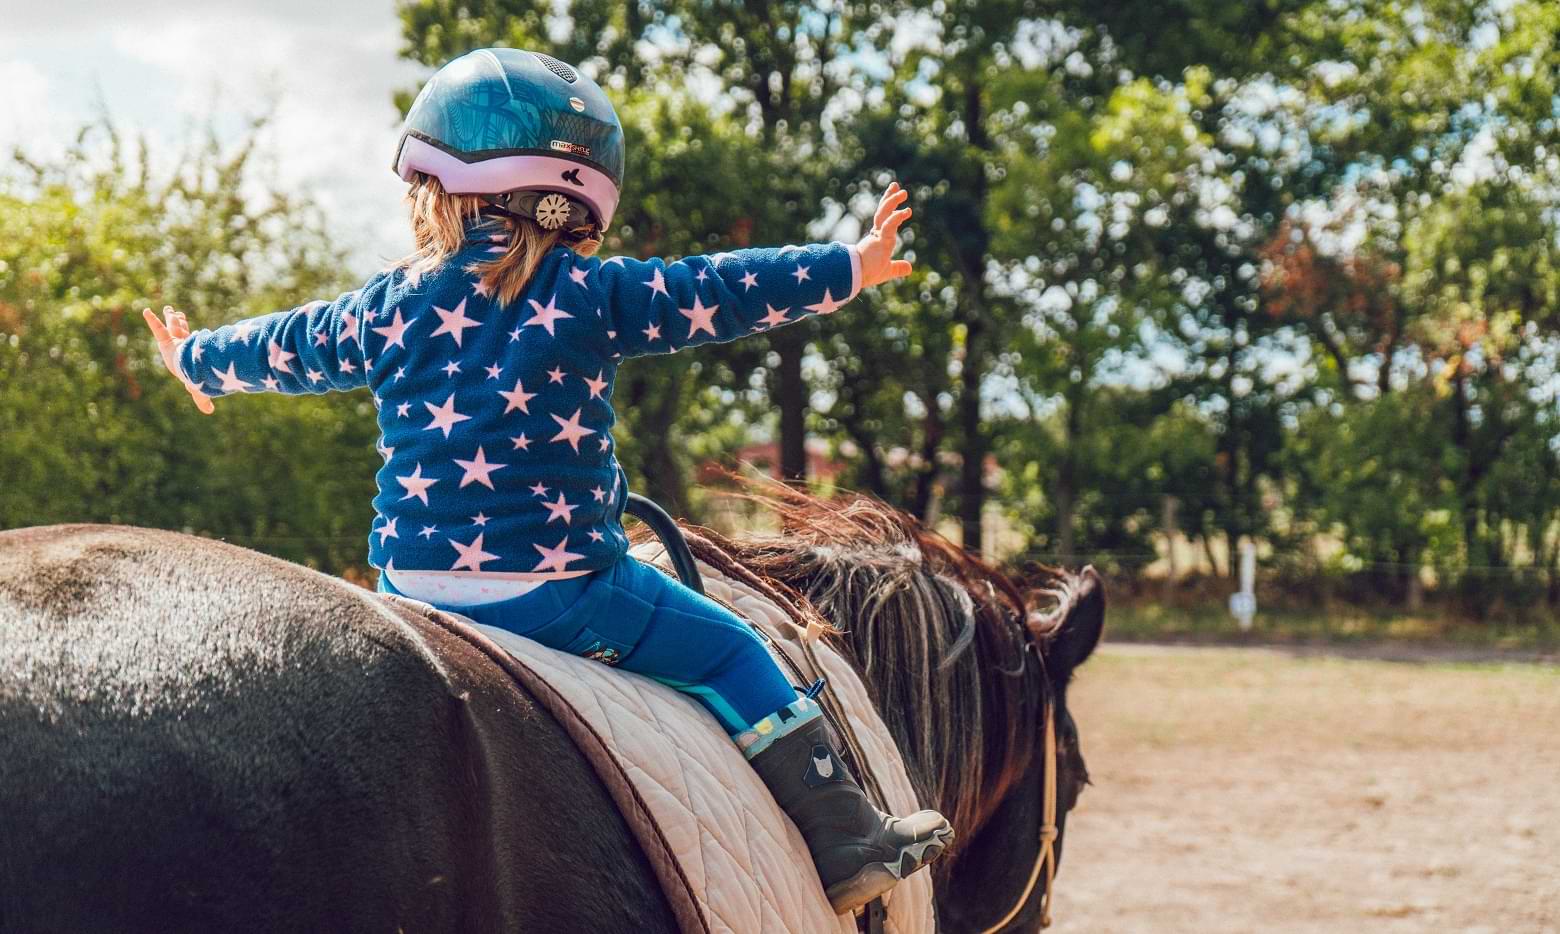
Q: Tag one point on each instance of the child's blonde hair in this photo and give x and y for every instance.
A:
(439, 222)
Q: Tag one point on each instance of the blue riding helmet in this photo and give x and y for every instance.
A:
(497, 122)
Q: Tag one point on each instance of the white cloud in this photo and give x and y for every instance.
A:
(323, 72)
(25, 115)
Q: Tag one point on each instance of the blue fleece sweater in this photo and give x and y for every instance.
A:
(496, 422)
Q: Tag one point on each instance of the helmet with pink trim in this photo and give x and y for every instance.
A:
(519, 128)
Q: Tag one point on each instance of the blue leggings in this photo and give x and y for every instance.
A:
(637, 618)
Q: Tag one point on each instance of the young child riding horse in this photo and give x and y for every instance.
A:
(503, 331)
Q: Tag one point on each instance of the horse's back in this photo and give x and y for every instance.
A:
(195, 736)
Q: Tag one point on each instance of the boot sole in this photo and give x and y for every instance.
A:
(874, 879)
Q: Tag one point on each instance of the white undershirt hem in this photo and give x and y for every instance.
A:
(445, 589)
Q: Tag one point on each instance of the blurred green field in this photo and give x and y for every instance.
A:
(1342, 626)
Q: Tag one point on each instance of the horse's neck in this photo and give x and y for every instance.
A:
(993, 864)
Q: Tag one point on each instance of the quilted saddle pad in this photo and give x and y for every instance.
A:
(744, 862)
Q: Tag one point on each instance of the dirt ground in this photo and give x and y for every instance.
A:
(1250, 790)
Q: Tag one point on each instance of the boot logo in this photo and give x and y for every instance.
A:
(824, 767)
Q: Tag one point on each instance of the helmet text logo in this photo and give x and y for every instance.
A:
(575, 148)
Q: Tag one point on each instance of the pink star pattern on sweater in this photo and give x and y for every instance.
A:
(571, 431)
(388, 531)
(564, 334)
(471, 556)
(657, 284)
(700, 318)
(826, 306)
(547, 316)
(417, 485)
(279, 358)
(478, 469)
(560, 509)
(444, 416)
(776, 316)
(454, 323)
(517, 399)
(556, 558)
(394, 332)
(230, 380)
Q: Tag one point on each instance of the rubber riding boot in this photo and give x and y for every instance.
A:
(860, 852)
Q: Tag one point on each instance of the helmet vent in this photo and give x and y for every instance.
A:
(558, 68)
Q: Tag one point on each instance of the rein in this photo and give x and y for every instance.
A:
(1045, 857)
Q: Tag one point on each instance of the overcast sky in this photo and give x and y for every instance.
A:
(325, 69)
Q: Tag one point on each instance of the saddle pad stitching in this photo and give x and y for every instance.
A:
(684, 792)
(702, 764)
(688, 796)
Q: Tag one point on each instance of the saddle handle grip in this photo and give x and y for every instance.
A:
(647, 511)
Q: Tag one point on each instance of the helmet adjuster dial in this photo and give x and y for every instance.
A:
(550, 210)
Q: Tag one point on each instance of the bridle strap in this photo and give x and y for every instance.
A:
(1045, 858)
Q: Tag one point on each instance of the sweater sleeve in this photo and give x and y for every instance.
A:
(314, 348)
(656, 307)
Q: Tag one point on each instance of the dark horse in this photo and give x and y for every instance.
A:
(197, 737)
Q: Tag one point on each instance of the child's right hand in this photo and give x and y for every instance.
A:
(877, 247)
(169, 336)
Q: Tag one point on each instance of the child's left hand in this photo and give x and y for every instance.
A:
(877, 247)
(169, 335)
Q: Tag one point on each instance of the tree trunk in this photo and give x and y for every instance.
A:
(1066, 503)
(1067, 477)
(1213, 556)
(1232, 524)
(1462, 432)
(926, 476)
(790, 344)
(972, 481)
(1167, 523)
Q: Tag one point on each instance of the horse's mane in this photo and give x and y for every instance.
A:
(937, 634)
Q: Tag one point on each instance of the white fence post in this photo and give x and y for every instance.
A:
(1243, 603)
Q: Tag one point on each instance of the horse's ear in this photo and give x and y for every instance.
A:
(1079, 634)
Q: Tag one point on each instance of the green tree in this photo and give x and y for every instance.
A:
(94, 429)
(1444, 112)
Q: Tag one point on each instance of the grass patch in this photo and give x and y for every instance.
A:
(1149, 622)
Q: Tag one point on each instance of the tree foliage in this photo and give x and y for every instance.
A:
(1289, 264)
(94, 429)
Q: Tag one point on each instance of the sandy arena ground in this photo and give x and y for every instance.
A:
(1249, 790)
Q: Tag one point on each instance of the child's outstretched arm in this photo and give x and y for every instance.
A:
(315, 348)
(659, 307)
